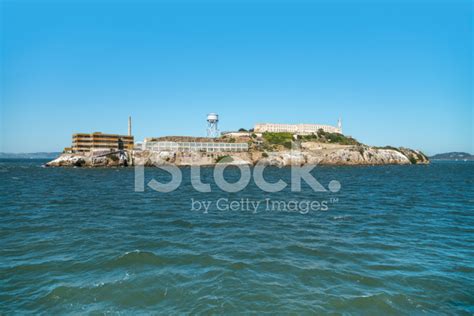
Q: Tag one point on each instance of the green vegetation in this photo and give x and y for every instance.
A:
(225, 158)
(242, 130)
(421, 156)
(308, 138)
(268, 147)
(285, 139)
(387, 147)
(412, 159)
(253, 135)
(278, 138)
(264, 155)
(336, 138)
(326, 137)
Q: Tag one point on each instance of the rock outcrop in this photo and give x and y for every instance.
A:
(86, 160)
(348, 155)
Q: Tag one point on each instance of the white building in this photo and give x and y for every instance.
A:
(300, 129)
(236, 134)
(194, 146)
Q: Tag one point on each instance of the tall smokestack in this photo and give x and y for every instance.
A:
(129, 126)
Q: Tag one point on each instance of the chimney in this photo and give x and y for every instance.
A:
(129, 126)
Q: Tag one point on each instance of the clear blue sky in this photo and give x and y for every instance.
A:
(397, 72)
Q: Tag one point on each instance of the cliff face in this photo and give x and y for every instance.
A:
(309, 153)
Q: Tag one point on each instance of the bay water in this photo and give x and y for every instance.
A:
(392, 240)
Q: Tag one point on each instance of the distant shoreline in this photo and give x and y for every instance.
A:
(453, 156)
(36, 155)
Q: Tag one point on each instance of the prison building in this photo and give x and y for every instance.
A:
(195, 146)
(300, 129)
(83, 142)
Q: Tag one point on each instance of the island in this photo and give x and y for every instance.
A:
(241, 147)
(453, 156)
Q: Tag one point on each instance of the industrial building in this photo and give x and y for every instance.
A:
(85, 142)
(299, 129)
(82, 142)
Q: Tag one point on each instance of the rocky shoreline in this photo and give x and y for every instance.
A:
(312, 153)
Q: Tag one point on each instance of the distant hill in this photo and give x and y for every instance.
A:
(40, 155)
(453, 156)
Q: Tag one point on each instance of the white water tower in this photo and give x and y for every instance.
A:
(212, 129)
